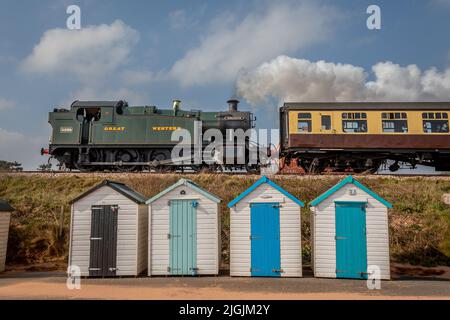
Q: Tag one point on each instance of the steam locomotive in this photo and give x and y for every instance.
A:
(110, 135)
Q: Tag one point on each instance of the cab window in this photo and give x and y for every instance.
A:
(354, 122)
(89, 114)
(435, 122)
(394, 122)
(304, 122)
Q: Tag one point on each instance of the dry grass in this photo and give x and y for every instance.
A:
(419, 222)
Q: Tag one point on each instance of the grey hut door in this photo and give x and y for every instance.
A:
(103, 241)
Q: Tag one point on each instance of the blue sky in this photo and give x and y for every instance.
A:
(203, 52)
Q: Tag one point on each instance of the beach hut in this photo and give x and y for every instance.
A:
(108, 233)
(350, 233)
(5, 217)
(185, 237)
(265, 232)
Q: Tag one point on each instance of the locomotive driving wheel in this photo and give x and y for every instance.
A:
(124, 156)
(161, 155)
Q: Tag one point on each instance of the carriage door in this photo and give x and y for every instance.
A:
(326, 123)
(103, 249)
(351, 244)
(183, 237)
(265, 240)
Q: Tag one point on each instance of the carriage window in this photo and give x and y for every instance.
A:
(304, 122)
(354, 122)
(326, 122)
(394, 122)
(435, 122)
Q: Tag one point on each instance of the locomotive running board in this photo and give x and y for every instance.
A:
(154, 163)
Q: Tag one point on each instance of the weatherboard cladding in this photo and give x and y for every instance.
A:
(132, 232)
(324, 228)
(290, 228)
(5, 217)
(207, 224)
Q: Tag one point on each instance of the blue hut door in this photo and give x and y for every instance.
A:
(265, 240)
(351, 244)
(183, 237)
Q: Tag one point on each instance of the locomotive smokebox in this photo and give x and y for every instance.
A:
(233, 105)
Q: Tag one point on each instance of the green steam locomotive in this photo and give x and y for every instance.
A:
(110, 135)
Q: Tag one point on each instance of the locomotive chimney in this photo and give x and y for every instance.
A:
(233, 105)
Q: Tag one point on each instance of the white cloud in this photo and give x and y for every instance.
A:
(233, 45)
(290, 79)
(133, 97)
(97, 56)
(25, 149)
(6, 104)
(137, 77)
(91, 52)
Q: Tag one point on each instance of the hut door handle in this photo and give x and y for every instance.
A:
(339, 238)
(96, 238)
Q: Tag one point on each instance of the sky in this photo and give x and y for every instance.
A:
(204, 52)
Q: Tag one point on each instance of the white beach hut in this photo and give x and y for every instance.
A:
(108, 233)
(185, 231)
(265, 232)
(350, 233)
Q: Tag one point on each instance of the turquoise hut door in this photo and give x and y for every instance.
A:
(183, 237)
(351, 244)
(265, 240)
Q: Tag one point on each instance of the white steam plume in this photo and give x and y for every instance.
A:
(290, 79)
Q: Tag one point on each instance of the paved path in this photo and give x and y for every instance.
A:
(53, 286)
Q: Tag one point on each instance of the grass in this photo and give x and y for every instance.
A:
(419, 223)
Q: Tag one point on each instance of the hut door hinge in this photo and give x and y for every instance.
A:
(277, 206)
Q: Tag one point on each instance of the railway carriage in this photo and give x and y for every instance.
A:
(359, 137)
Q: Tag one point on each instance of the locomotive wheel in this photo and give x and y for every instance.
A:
(161, 156)
(127, 156)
